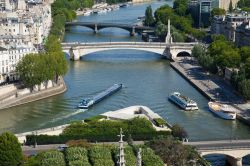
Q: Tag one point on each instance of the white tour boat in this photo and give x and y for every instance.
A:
(222, 110)
(183, 101)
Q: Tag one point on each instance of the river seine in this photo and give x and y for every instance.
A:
(148, 81)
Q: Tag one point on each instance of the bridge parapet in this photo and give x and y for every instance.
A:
(170, 50)
(97, 26)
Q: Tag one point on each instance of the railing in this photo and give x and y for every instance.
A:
(245, 147)
(126, 43)
(220, 145)
(107, 24)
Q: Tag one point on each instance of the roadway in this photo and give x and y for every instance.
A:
(223, 144)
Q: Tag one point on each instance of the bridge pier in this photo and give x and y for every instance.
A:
(74, 54)
(96, 29)
(132, 33)
(234, 161)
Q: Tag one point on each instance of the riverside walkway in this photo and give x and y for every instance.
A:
(212, 86)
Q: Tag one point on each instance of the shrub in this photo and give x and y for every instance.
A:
(10, 150)
(130, 157)
(49, 158)
(149, 158)
(160, 122)
(179, 132)
(77, 156)
(101, 156)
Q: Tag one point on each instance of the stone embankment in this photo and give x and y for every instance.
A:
(213, 87)
(48, 131)
(13, 95)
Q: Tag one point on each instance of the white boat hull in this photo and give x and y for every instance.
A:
(227, 116)
(183, 106)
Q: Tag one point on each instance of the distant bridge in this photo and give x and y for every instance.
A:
(170, 51)
(133, 29)
(234, 150)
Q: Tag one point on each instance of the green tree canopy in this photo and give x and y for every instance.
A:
(247, 68)
(161, 30)
(149, 19)
(218, 12)
(243, 3)
(198, 50)
(10, 150)
(180, 18)
(178, 37)
(178, 132)
(245, 53)
(35, 69)
(224, 53)
(29, 71)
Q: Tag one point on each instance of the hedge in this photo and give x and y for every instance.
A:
(49, 158)
(149, 158)
(101, 131)
(101, 156)
(130, 157)
(160, 122)
(77, 156)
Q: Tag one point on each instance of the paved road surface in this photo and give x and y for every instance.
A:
(224, 144)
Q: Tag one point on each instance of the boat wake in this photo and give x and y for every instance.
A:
(75, 112)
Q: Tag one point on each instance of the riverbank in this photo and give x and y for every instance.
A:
(127, 113)
(17, 96)
(212, 86)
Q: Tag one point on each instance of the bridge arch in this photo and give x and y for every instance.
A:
(234, 158)
(123, 28)
(87, 52)
(87, 27)
(183, 54)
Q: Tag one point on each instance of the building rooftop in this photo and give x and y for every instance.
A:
(3, 49)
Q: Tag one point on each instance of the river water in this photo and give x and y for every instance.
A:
(148, 81)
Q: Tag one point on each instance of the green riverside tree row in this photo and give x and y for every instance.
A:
(222, 54)
(180, 18)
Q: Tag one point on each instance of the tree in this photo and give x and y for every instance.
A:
(161, 30)
(10, 150)
(172, 152)
(59, 64)
(230, 6)
(53, 44)
(29, 71)
(244, 87)
(179, 132)
(244, 53)
(218, 12)
(198, 50)
(178, 37)
(247, 68)
(149, 19)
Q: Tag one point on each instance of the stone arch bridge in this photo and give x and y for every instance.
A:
(234, 150)
(170, 51)
(133, 29)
